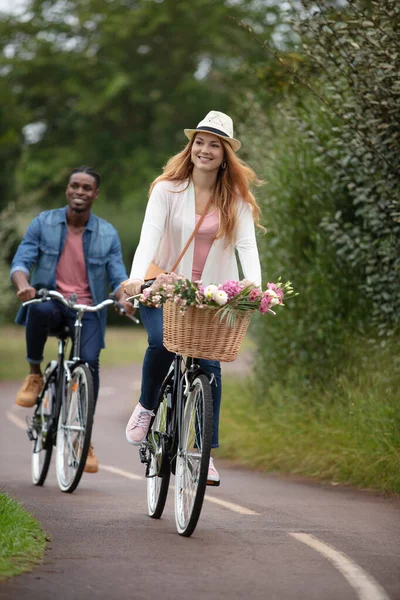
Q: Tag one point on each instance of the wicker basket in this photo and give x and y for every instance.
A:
(200, 333)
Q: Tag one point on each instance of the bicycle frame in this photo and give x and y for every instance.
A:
(57, 373)
(182, 372)
(179, 442)
(62, 371)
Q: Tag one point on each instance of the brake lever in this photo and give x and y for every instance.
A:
(73, 298)
(42, 293)
(123, 312)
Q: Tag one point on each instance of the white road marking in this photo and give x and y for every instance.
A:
(224, 503)
(117, 471)
(16, 420)
(364, 585)
(231, 506)
(22, 425)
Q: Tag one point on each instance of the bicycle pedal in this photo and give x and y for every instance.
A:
(142, 455)
(213, 483)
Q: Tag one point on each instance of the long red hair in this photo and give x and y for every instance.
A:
(232, 182)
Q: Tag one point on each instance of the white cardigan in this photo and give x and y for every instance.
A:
(168, 224)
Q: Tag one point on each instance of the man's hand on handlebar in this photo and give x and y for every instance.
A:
(26, 293)
(126, 306)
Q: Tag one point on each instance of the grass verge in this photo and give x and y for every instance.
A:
(22, 541)
(349, 433)
(124, 345)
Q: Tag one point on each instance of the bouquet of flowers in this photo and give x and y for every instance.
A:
(232, 298)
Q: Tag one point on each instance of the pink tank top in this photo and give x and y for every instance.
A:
(203, 242)
(71, 275)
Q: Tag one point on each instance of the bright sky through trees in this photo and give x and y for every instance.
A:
(11, 6)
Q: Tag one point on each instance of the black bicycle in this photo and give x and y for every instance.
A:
(63, 415)
(179, 441)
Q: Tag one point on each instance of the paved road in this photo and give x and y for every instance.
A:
(259, 536)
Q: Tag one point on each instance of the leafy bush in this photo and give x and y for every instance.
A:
(330, 159)
(297, 195)
(360, 56)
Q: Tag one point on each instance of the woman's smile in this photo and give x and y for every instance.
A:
(207, 151)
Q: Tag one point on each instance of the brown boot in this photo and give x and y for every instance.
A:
(29, 391)
(92, 463)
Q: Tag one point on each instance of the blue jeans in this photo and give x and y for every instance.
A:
(44, 318)
(157, 361)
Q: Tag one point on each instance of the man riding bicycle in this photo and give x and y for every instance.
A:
(72, 251)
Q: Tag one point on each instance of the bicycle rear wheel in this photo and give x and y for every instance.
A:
(193, 455)
(41, 430)
(74, 429)
(158, 473)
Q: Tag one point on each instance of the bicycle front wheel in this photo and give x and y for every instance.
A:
(74, 429)
(42, 431)
(193, 455)
(158, 474)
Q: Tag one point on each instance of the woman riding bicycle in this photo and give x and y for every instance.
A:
(205, 176)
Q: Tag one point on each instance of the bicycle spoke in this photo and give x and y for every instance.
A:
(74, 429)
(158, 471)
(40, 429)
(194, 455)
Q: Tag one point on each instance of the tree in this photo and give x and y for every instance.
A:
(114, 83)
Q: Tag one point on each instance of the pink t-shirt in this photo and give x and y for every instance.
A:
(203, 241)
(71, 274)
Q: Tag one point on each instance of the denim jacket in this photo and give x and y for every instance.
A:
(43, 244)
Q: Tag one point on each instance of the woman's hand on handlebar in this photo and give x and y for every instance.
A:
(132, 287)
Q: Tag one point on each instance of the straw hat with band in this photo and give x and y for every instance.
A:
(219, 124)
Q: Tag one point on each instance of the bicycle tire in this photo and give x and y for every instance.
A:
(158, 475)
(42, 426)
(193, 455)
(74, 429)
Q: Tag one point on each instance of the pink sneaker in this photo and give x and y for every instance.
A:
(213, 475)
(138, 425)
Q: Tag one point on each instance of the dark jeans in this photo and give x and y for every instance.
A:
(44, 318)
(157, 361)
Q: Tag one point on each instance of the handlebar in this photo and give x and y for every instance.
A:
(43, 295)
(147, 284)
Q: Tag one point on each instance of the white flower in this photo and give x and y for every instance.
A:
(221, 297)
(210, 291)
(274, 297)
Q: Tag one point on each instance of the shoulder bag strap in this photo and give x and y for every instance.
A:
(199, 222)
